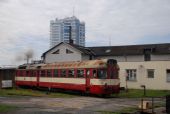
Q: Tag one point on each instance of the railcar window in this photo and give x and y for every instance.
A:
(63, 73)
(22, 73)
(56, 73)
(71, 73)
(27, 73)
(17, 73)
(31, 73)
(42, 73)
(80, 73)
(102, 74)
(94, 73)
(34, 73)
(49, 73)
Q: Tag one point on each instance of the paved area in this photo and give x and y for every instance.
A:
(77, 105)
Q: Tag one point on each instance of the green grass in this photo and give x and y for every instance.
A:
(30, 92)
(132, 93)
(137, 93)
(6, 108)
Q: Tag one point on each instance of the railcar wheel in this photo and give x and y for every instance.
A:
(105, 95)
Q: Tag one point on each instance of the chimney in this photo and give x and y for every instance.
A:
(70, 39)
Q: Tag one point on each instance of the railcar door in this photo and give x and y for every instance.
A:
(87, 76)
(35, 74)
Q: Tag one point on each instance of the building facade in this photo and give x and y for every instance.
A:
(147, 65)
(60, 31)
(7, 77)
(67, 52)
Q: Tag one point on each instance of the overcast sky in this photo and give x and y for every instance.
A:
(24, 24)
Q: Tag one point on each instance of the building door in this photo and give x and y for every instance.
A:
(36, 75)
(87, 80)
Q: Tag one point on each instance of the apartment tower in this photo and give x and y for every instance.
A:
(61, 29)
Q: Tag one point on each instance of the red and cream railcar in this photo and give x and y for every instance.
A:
(92, 76)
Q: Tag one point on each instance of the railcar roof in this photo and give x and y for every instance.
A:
(99, 63)
(77, 64)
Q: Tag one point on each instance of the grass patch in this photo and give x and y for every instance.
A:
(30, 92)
(137, 93)
(6, 108)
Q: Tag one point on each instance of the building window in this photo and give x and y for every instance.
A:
(150, 73)
(147, 54)
(168, 75)
(68, 51)
(131, 74)
(56, 52)
(147, 57)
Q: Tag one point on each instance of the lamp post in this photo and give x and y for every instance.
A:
(126, 75)
(144, 89)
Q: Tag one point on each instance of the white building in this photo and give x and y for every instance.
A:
(60, 31)
(67, 52)
(147, 65)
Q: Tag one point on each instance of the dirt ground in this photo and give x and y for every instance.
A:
(77, 105)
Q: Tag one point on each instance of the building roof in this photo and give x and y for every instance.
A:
(82, 49)
(131, 49)
(163, 48)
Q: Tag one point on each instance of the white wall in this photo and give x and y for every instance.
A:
(128, 58)
(159, 80)
(85, 57)
(160, 57)
(62, 56)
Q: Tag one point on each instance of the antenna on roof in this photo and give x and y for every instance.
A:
(74, 8)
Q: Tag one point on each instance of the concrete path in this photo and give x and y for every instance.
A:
(77, 105)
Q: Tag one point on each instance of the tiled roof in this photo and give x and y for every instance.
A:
(121, 50)
(131, 49)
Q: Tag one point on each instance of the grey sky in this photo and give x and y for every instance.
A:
(24, 24)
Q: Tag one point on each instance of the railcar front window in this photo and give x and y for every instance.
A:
(102, 74)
